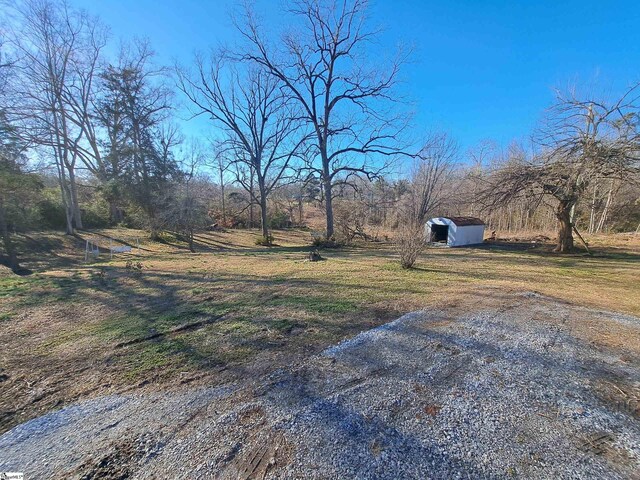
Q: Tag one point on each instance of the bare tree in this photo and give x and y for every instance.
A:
(581, 141)
(470, 185)
(431, 172)
(186, 210)
(59, 49)
(221, 165)
(17, 186)
(410, 243)
(258, 122)
(81, 95)
(347, 103)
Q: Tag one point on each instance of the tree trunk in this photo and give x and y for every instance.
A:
(191, 247)
(12, 256)
(328, 202)
(592, 215)
(68, 210)
(565, 232)
(224, 209)
(251, 196)
(605, 211)
(66, 202)
(263, 215)
(65, 195)
(77, 215)
(115, 214)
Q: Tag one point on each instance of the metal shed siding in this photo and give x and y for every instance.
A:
(467, 235)
(458, 236)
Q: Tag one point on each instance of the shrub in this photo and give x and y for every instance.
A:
(350, 220)
(319, 240)
(134, 266)
(410, 243)
(265, 241)
(51, 210)
(279, 219)
(96, 214)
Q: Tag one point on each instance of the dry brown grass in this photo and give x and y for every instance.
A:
(60, 326)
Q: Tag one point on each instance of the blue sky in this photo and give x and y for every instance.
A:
(480, 70)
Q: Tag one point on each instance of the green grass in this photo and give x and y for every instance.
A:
(141, 324)
(153, 356)
(56, 343)
(14, 285)
(314, 304)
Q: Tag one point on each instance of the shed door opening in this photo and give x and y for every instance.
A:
(439, 233)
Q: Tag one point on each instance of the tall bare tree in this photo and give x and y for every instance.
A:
(348, 103)
(17, 186)
(58, 49)
(582, 140)
(221, 165)
(186, 209)
(259, 124)
(431, 171)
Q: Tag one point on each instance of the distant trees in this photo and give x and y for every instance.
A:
(221, 165)
(134, 111)
(582, 141)
(305, 129)
(345, 100)
(261, 127)
(186, 208)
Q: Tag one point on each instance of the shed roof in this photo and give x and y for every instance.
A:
(464, 221)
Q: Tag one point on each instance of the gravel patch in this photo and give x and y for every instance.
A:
(500, 392)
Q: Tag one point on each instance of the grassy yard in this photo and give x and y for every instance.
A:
(74, 330)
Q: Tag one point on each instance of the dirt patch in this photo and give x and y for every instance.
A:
(620, 395)
(270, 451)
(118, 464)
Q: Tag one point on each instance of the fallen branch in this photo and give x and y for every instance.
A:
(187, 327)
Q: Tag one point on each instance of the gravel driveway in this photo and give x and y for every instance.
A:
(523, 387)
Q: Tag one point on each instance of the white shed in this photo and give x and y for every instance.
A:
(455, 231)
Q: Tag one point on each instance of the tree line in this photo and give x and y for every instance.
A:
(302, 119)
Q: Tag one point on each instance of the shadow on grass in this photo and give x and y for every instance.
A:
(258, 317)
(113, 239)
(152, 301)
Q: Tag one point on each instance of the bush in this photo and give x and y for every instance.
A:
(51, 210)
(265, 241)
(279, 220)
(96, 214)
(319, 240)
(135, 267)
(410, 243)
(350, 220)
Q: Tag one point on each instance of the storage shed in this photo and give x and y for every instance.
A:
(455, 231)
